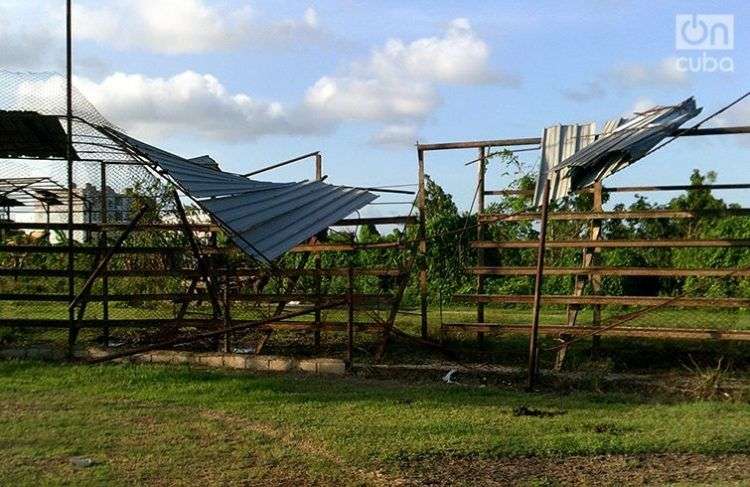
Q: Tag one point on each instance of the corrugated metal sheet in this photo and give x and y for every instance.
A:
(558, 143)
(621, 144)
(264, 219)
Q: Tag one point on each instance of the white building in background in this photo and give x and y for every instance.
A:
(86, 209)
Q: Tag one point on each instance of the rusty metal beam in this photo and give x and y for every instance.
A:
(630, 189)
(614, 215)
(345, 247)
(378, 220)
(575, 244)
(537, 298)
(606, 300)
(53, 249)
(476, 144)
(611, 271)
(625, 331)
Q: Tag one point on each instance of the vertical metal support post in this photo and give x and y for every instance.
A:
(480, 236)
(350, 319)
(72, 331)
(317, 260)
(227, 319)
(588, 256)
(421, 203)
(596, 281)
(534, 335)
(103, 218)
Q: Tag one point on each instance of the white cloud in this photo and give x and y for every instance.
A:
(395, 136)
(193, 103)
(399, 81)
(459, 57)
(187, 26)
(396, 86)
(352, 98)
(662, 74)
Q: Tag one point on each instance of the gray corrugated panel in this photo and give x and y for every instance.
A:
(301, 229)
(626, 144)
(264, 219)
(558, 143)
(240, 201)
(301, 200)
(622, 143)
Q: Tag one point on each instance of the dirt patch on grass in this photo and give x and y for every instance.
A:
(306, 447)
(579, 470)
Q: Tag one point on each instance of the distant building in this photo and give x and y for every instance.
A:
(86, 209)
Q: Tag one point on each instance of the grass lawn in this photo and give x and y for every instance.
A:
(175, 425)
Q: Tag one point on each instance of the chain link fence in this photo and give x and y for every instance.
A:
(153, 289)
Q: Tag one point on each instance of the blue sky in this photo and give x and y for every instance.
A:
(257, 82)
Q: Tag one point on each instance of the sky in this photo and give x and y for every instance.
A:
(252, 83)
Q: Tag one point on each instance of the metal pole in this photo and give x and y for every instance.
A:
(480, 236)
(69, 153)
(421, 203)
(227, 317)
(350, 320)
(318, 262)
(103, 245)
(534, 336)
(596, 281)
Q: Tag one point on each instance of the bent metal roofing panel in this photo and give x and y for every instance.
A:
(264, 219)
(623, 142)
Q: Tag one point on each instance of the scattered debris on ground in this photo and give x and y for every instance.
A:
(539, 413)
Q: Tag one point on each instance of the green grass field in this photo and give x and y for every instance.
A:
(163, 425)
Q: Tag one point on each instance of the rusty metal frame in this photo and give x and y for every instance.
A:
(589, 272)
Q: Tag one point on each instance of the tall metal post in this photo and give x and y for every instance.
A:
(596, 281)
(534, 335)
(317, 261)
(480, 236)
(72, 332)
(227, 319)
(103, 245)
(350, 318)
(421, 203)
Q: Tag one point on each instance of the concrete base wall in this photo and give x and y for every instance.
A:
(268, 363)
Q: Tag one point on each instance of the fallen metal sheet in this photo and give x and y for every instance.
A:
(559, 143)
(264, 219)
(622, 142)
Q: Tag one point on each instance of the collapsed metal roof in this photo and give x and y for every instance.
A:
(622, 143)
(264, 219)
